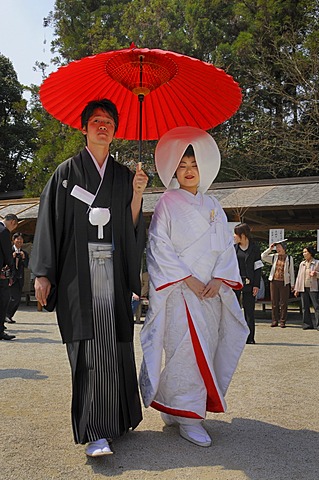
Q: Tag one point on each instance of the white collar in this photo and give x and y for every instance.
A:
(101, 170)
(194, 199)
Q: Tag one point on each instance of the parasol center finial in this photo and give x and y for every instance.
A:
(141, 91)
(141, 73)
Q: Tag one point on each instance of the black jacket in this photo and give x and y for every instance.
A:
(19, 266)
(60, 250)
(252, 256)
(5, 251)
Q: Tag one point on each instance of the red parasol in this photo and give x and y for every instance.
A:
(167, 88)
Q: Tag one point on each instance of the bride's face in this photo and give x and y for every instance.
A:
(187, 174)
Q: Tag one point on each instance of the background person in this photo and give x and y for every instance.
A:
(9, 223)
(135, 302)
(143, 299)
(307, 285)
(20, 262)
(193, 314)
(250, 264)
(86, 255)
(281, 280)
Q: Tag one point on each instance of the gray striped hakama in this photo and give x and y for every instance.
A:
(96, 382)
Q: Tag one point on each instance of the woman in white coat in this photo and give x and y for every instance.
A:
(307, 285)
(193, 316)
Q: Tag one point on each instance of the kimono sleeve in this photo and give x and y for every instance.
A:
(226, 267)
(135, 243)
(164, 266)
(48, 235)
(257, 266)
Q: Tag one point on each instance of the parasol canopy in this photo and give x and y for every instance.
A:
(154, 91)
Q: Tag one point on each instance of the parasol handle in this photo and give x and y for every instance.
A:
(140, 99)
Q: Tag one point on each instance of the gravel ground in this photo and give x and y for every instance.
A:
(270, 431)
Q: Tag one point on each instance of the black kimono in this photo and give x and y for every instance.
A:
(60, 253)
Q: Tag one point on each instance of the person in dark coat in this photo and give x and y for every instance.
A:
(20, 262)
(9, 223)
(250, 264)
(86, 257)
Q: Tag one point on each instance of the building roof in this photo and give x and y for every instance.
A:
(291, 203)
(26, 210)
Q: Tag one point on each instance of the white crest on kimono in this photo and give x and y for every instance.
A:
(97, 216)
(100, 217)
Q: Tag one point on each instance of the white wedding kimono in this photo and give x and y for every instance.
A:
(202, 339)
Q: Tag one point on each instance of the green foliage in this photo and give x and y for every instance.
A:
(269, 46)
(54, 144)
(277, 128)
(17, 133)
(85, 28)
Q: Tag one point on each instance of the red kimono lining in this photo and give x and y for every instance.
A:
(213, 402)
(175, 411)
(229, 283)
